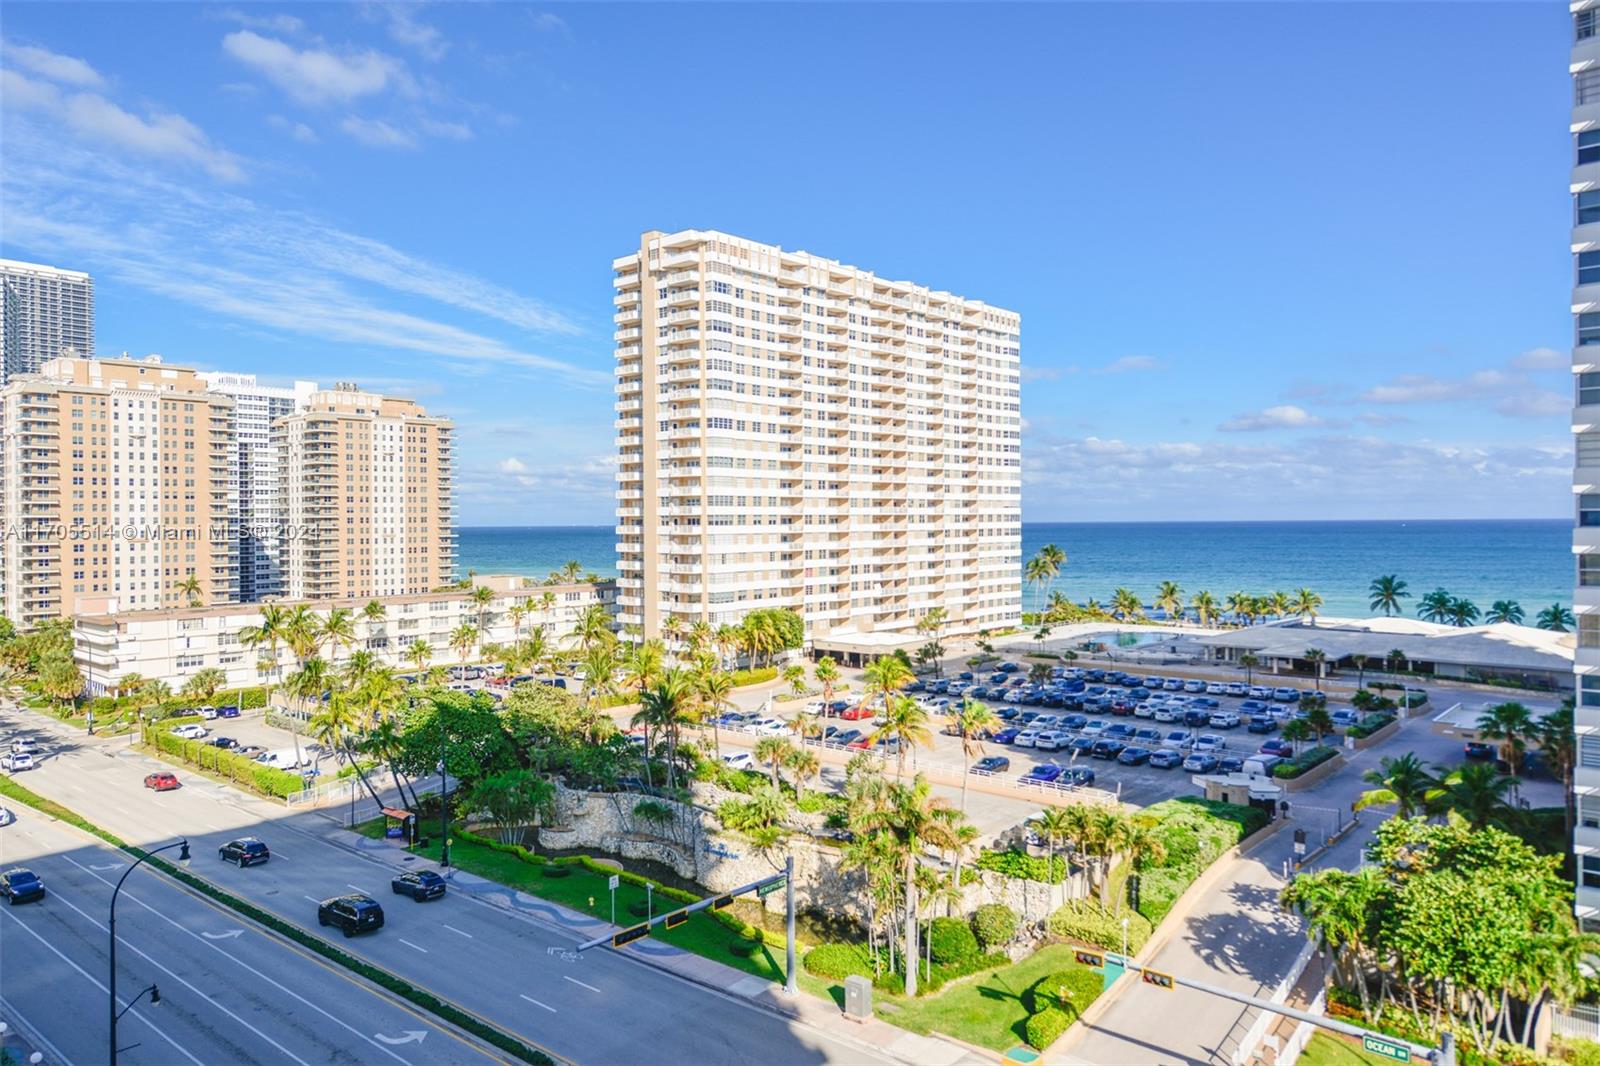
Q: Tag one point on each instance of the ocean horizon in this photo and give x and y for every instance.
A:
(1527, 560)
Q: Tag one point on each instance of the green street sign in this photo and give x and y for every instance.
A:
(1389, 1049)
(771, 886)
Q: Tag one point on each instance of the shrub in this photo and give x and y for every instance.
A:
(1159, 889)
(753, 677)
(994, 924)
(743, 947)
(1306, 760)
(950, 942)
(1064, 990)
(890, 981)
(1020, 864)
(1369, 725)
(1576, 1050)
(266, 780)
(553, 871)
(1044, 1028)
(1085, 921)
(838, 961)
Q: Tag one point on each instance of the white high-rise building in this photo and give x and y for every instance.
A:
(43, 310)
(255, 495)
(795, 432)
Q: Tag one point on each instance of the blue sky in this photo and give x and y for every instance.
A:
(1272, 261)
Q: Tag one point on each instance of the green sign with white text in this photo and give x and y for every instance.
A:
(1387, 1048)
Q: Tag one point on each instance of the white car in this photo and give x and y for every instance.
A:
(1224, 719)
(208, 713)
(17, 761)
(1094, 728)
(1237, 688)
(1145, 710)
(1210, 742)
(6, 817)
(739, 760)
(770, 727)
(190, 731)
(1216, 688)
(23, 747)
(1166, 713)
(1052, 740)
(1194, 685)
(1179, 739)
(1027, 738)
(815, 707)
(1045, 721)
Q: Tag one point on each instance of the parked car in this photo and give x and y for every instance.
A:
(1043, 774)
(16, 762)
(20, 884)
(1224, 719)
(1344, 719)
(1237, 688)
(1193, 685)
(161, 781)
(1181, 739)
(1262, 723)
(1148, 737)
(1477, 749)
(848, 737)
(1209, 742)
(1078, 776)
(740, 760)
(246, 851)
(1052, 740)
(208, 713)
(1280, 748)
(1254, 707)
(1201, 762)
(1230, 764)
(991, 764)
(1074, 721)
(1166, 713)
(1106, 748)
(225, 743)
(190, 731)
(1196, 717)
(1134, 756)
(856, 714)
(1286, 695)
(1093, 728)
(350, 914)
(420, 885)
(1007, 735)
(1082, 745)
(1166, 758)
(1216, 688)
(1027, 738)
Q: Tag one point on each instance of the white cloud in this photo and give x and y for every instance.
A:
(1541, 359)
(512, 465)
(1534, 403)
(453, 131)
(68, 70)
(1286, 416)
(103, 123)
(315, 76)
(298, 130)
(1424, 388)
(404, 28)
(275, 23)
(549, 22)
(376, 133)
(1129, 363)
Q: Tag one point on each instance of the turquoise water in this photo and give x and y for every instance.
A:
(1525, 560)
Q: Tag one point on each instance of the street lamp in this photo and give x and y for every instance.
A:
(444, 803)
(155, 993)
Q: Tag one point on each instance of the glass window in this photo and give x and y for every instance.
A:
(1586, 87)
(1589, 743)
(1588, 388)
(1589, 146)
(1588, 267)
(1588, 449)
(1588, 207)
(1589, 328)
(1589, 811)
(1589, 509)
(1589, 631)
(1589, 570)
(1590, 869)
(1583, 24)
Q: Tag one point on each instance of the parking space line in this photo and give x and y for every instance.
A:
(536, 1003)
(575, 981)
(309, 899)
(409, 944)
(453, 929)
(358, 888)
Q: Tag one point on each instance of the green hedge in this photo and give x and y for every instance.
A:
(753, 677)
(1369, 725)
(1084, 921)
(838, 961)
(951, 942)
(1306, 760)
(1078, 988)
(1044, 1028)
(268, 781)
(1020, 864)
(1194, 832)
(440, 1008)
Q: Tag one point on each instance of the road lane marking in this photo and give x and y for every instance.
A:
(536, 1003)
(308, 899)
(575, 981)
(409, 944)
(358, 888)
(453, 929)
(158, 1030)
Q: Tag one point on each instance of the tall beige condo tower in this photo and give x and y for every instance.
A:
(793, 432)
(367, 488)
(114, 490)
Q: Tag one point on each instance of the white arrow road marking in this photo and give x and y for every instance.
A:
(108, 866)
(453, 929)
(409, 944)
(575, 981)
(411, 1036)
(223, 936)
(536, 1003)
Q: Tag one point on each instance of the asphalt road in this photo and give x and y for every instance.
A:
(605, 1008)
(229, 991)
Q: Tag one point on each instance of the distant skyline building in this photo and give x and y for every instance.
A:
(43, 310)
(795, 432)
(255, 494)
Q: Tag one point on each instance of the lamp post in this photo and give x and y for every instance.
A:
(111, 924)
(444, 804)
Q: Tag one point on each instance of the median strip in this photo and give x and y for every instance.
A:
(440, 1008)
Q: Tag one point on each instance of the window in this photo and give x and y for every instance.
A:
(1589, 870)
(1588, 388)
(1586, 87)
(1588, 267)
(1589, 509)
(1589, 570)
(1589, 328)
(1583, 25)
(1589, 744)
(1589, 631)
(1589, 147)
(1589, 811)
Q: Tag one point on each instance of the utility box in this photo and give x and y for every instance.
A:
(857, 998)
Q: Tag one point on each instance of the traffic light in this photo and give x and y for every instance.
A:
(1160, 980)
(1092, 959)
(628, 936)
(675, 919)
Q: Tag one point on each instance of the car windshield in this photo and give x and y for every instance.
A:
(22, 877)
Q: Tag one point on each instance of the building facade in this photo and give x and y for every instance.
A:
(367, 483)
(794, 432)
(1585, 190)
(43, 310)
(113, 489)
(255, 491)
(174, 644)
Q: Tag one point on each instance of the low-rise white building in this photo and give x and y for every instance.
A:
(174, 644)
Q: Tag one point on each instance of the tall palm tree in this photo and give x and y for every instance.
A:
(189, 586)
(306, 685)
(1280, 604)
(1056, 560)
(1476, 792)
(1306, 604)
(974, 721)
(359, 667)
(1126, 605)
(1239, 604)
(1503, 611)
(1169, 597)
(827, 674)
(1055, 827)
(1337, 906)
(912, 819)
(1462, 611)
(419, 652)
(481, 596)
(805, 766)
(1404, 783)
(1435, 606)
(374, 613)
(1205, 607)
(571, 570)
(662, 708)
(1555, 617)
(1559, 744)
(1359, 661)
(774, 751)
(885, 676)
(265, 636)
(1318, 659)
(716, 696)
(592, 627)
(518, 612)
(1295, 730)
(906, 721)
(338, 629)
(1387, 592)
(643, 664)
(1249, 660)
(1512, 724)
(463, 638)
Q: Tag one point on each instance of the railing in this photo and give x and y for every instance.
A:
(1580, 1020)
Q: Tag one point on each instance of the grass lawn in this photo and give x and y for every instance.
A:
(1325, 1050)
(990, 1009)
(701, 934)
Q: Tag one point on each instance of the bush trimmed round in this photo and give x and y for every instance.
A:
(638, 908)
(951, 942)
(550, 869)
(1044, 1028)
(743, 947)
(994, 924)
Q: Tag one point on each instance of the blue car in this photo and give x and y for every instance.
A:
(1081, 776)
(1074, 721)
(1005, 736)
(19, 885)
(992, 764)
(1008, 668)
(1043, 775)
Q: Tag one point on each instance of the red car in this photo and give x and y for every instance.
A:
(161, 781)
(856, 714)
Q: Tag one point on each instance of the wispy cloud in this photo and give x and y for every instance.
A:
(451, 131)
(318, 76)
(1285, 416)
(298, 130)
(376, 133)
(68, 70)
(1541, 359)
(512, 465)
(1129, 363)
(407, 29)
(273, 23)
(1425, 388)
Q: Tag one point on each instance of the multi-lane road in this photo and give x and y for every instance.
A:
(607, 1007)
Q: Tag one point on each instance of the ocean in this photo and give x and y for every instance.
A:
(1527, 560)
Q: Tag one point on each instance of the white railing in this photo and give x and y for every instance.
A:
(1580, 1020)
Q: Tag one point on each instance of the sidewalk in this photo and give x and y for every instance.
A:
(874, 1034)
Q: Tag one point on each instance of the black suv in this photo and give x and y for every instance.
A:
(246, 851)
(352, 914)
(419, 885)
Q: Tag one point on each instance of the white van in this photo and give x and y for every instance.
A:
(1261, 765)
(282, 759)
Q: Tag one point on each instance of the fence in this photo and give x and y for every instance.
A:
(1580, 1020)
(349, 791)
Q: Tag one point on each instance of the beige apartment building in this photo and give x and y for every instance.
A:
(367, 489)
(794, 432)
(113, 489)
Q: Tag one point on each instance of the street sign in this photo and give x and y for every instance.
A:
(628, 936)
(615, 881)
(676, 918)
(1160, 980)
(1092, 959)
(771, 886)
(1389, 1049)
(720, 902)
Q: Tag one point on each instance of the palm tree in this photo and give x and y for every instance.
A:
(571, 570)
(1435, 606)
(1239, 604)
(1394, 660)
(827, 674)
(715, 690)
(419, 652)
(190, 587)
(1056, 826)
(1403, 782)
(1319, 721)
(338, 629)
(359, 667)
(592, 627)
(463, 638)
(305, 685)
(1337, 906)
(1359, 661)
(1387, 592)
(1555, 617)
(664, 707)
(1318, 659)
(1249, 660)
(1306, 604)
(1296, 730)
(1505, 611)
(805, 766)
(1462, 612)
(1205, 607)
(774, 751)
(642, 664)
(795, 675)
(1169, 597)
(1512, 724)
(906, 721)
(1281, 605)
(481, 596)
(599, 673)
(1125, 604)
(1476, 792)
(374, 613)
(518, 612)
(205, 683)
(265, 636)
(912, 819)
(974, 721)
(885, 676)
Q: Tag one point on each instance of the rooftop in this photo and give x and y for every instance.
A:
(1501, 645)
